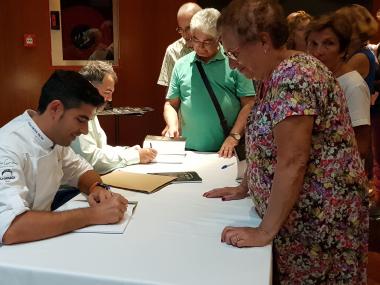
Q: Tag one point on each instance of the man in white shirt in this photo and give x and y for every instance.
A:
(181, 46)
(35, 160)
(93, 146)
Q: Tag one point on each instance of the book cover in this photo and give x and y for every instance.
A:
(182, 176)
(136, 181)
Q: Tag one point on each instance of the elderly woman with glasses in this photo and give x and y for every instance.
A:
(189, 110)
(304, 171)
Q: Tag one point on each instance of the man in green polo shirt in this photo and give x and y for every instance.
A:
(199, 121)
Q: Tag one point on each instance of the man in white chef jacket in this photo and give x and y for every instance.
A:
(35, 158)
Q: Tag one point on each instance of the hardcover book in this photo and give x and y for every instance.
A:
(169, 150)
(182, 176)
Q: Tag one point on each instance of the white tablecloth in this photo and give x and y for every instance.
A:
(173, 238)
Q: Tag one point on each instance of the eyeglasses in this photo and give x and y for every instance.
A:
(206, 43)
(182, 31)
(232, 54)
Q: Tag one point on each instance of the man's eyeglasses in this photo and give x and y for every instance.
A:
(182, 31)
(206, 43)
(232, 54)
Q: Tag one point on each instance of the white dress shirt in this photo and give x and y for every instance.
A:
(103, 157)
(32, 168)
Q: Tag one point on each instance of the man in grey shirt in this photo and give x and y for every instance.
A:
(181, 46)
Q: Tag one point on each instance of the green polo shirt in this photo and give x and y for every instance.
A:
(200, 123)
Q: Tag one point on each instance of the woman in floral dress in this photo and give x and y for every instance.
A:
(304, 171)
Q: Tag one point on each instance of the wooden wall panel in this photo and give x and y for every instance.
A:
(23, 70)
(146, 28)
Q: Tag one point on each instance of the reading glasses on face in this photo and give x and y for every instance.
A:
(205, 43)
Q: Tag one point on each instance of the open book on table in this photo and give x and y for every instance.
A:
(80, 201)
(169, 150)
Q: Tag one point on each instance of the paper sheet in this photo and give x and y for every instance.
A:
(117, 228)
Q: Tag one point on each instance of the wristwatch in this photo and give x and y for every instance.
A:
(105, 186)
(236, 136)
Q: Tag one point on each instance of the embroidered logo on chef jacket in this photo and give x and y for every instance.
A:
(6, 175)
(6, 163)
(36, 132)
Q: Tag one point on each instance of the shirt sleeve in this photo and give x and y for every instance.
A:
(294, 94)
(13, 190)
(174, 90)
(73, 166)
(359, 104)
(106, 158)
(244, 86)
(166, 69)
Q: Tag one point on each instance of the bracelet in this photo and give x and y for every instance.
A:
(236, 136)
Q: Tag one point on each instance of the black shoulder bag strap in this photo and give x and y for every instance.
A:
(222, 119)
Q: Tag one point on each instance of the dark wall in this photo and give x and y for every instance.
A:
(314, 7)
(318, 7)
(218, 4)
(375, 8)
(22, 70)
(146, 28)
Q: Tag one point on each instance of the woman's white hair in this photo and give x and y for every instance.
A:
(205, 22)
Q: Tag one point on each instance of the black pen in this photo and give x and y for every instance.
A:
(227, 165)
(85, 200)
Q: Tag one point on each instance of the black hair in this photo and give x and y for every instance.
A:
(71, 88)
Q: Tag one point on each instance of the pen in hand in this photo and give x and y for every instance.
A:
(150, 144)
(85, 200)
(227, 165)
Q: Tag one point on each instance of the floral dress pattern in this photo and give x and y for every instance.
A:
(325, 238)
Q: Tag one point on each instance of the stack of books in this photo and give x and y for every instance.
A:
(169, 150)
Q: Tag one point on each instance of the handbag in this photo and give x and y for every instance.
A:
(240, 148)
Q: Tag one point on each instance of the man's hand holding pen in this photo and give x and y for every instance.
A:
(110, 210)
(107, 208)
(147, 154)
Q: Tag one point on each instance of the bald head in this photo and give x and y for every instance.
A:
(188, 8)
(184, 15)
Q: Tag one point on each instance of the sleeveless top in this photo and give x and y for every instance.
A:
(370, 79)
